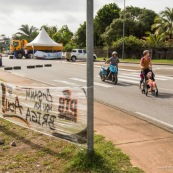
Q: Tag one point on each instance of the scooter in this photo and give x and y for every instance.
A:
(111, 74)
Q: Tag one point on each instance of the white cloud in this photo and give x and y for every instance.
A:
(58, 13)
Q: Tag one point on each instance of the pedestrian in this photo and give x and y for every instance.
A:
(26, 53)
(145, 64)
(15, 53)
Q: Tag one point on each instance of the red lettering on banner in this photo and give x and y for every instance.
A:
(68, 107)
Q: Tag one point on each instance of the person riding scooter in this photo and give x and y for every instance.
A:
(113, 61)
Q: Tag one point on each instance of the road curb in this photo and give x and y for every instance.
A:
(148, 120)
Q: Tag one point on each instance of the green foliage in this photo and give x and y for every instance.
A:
(4, 43)
(104, 18)
(163, 23)
(137, 22)
(40, 153)
(26, 32)
(132, 45)
(106, 158)
(64, 35)
(155, 40)
(80, 36)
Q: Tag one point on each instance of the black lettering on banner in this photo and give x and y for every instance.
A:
(47, 107)
(28, 115)
(39, 95)
(9, 105)
(39, 118)
(3, 97)
(46, 120)
(37, 105)
(17, 105)
(34, 116)
(51, 122)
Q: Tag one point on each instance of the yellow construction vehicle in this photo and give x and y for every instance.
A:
(18, 46)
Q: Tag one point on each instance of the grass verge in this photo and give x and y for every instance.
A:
(156, 61)
(36, 152)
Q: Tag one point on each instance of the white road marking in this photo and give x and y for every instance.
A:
(95, 83)
(65, 82)
(166, 89)
(129, 81)
(154, 119)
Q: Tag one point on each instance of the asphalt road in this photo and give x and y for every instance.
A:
(126, 95)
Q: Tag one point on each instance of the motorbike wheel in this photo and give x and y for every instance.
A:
(115, 80)
(102, 78)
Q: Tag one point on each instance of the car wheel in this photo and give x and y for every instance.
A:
(73, 58)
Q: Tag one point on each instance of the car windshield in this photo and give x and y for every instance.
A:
(15, 44)
(84, 51)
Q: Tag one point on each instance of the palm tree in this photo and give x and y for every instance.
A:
(164, 23)
(155, 40)
(27, 32)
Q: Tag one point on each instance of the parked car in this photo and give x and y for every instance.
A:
(78, 54)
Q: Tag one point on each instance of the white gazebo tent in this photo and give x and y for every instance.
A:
(44, 43)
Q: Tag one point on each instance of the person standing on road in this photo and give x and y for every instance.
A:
(26, 53)
(15, 53)
(145, 64)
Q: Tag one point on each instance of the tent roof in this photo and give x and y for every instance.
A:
(43, 39)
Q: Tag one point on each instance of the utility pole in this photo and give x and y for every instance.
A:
(90, 86)
(123, 30)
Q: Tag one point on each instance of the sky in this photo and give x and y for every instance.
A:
(58, 13)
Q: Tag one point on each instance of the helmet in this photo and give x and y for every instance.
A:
(114, 53)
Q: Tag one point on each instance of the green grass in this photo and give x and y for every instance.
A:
(48, 154)
(156, 61)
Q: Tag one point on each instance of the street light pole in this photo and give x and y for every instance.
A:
(90, 87)
(123, 31)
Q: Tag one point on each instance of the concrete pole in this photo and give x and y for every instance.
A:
(123, 31)
(90, 87)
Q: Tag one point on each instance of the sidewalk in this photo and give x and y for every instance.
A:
(149, 147)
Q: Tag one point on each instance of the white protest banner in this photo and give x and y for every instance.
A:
(56, 111)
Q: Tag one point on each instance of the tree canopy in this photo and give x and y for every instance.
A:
(26, 32)
(137, 22)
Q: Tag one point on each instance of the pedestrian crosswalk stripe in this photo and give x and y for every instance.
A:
(95, 83)
(65, 82)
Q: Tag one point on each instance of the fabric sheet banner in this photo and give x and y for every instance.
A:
(48, 55)
(59, 112)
